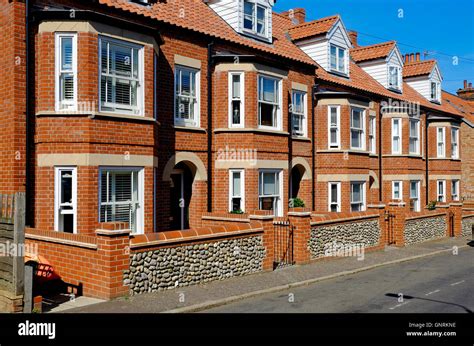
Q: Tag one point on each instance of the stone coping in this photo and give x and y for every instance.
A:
(468, 215)
(323, 219)
(78, 240)
(194, 235)
(226, 217)
(424, 216)
(109, 232)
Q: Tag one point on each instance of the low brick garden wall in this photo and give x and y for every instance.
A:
(159, 265)
(346, 232)
(467, 224)
(420, 229)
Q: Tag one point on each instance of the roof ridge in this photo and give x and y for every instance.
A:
(302, 25)
(375, 45)
(421, 62)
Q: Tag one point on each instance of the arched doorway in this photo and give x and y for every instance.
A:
(300, 181)
(296, 176)
(180, 195)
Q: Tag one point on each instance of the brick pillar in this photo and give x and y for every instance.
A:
(383, 221)
(456, 209)
(399, 211)
(113, 241)
(268, 237)
(301, 222)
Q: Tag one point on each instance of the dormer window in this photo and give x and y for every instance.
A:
(394, 77)
(255, 18)
(338, 59)
(434, 91)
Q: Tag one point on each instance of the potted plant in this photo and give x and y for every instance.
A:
(431, 205)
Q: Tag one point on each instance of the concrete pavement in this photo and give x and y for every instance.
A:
(200, 297)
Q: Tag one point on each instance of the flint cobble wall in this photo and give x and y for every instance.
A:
(354, 233)
(467, 224)
(186, 265)
(420, 230)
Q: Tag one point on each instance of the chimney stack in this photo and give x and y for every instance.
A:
(467, 93)
(353, 37)
(297, 15)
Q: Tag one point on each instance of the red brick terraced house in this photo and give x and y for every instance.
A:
(175, 118)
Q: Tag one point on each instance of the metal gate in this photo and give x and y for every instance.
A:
(283, 243)
(389, 218)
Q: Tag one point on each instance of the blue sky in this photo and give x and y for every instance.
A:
(443, 28)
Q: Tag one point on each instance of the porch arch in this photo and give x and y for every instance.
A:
(197, 167)
(307, 175)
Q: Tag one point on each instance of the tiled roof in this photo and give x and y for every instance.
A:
(362, 81)
(376, 51)
(195, 15)
(418, 68)
(313, 28)
(465, 107)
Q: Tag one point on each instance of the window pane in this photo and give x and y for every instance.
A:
(66, 53)
(121, 60)
(356, 119)
(66, 187)
(333, 116)
(235, 112)
(333, 135)
(269, 88)
(341, 62)
(248, 15)
(355, 139)
(260, 20)
(269, 184)
(333, 193)
(236, 184)
(356, 193)
(267, 115)
(333, 57)
(236, 86)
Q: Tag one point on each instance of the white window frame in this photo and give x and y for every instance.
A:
(372, 134)
(338, 48)
(57, 196)
(338, 202)
(119, 108)
(437, 93)
(398, 85)
(254, 31)
(439, 193)
(400, 189)
(417, 206)
(361, 130)
(441, 153)
(140, 211)
(197, 97)
(65, 105)
(455, 188)
(337, 144)
(454, 142)
(417, 138)
(241, 99)
(242, 188)
(278, 208)
(304, 115)
(398, 135)
(363, 192)
(278, 104)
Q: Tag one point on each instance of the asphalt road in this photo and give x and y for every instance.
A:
(441, 283)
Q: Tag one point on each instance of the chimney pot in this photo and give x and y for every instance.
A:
(412, 57)
(353, 37)
(417, 56)
(470, 85)
(465, 84)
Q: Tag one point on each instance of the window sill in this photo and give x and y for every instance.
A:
(92, 115)
(339, 74)
(189, 128)
(251, 130)
(443, 159)
(303, 139)
(339, 151)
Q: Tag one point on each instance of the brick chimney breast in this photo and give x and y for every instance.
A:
(297, 15)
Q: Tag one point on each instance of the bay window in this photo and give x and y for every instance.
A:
(298, 113)
(414, 136)
(396, 136)
(357, 196)
(121, 76)
(357, 128)
(66, 72)
(121, 193)
(186, 96)
(236, 99)
(441, 140)
(236, 190)
(270, 191)
(334, 124)
(334, 197)
(269, 102)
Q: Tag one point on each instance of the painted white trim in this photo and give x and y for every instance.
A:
(418, 147)
(242, 98)
(336, 145)
(418, 196)
(242, 188)
(197, 81)
(438, 192)
(363, 192)
(339, 200)
(456, 130)
(305, 113)
(455, 183)
(364, 129)
(279, 207)
(279, 125)
(57, 90)
(57, 197)
(373, 148)
(399, 135)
